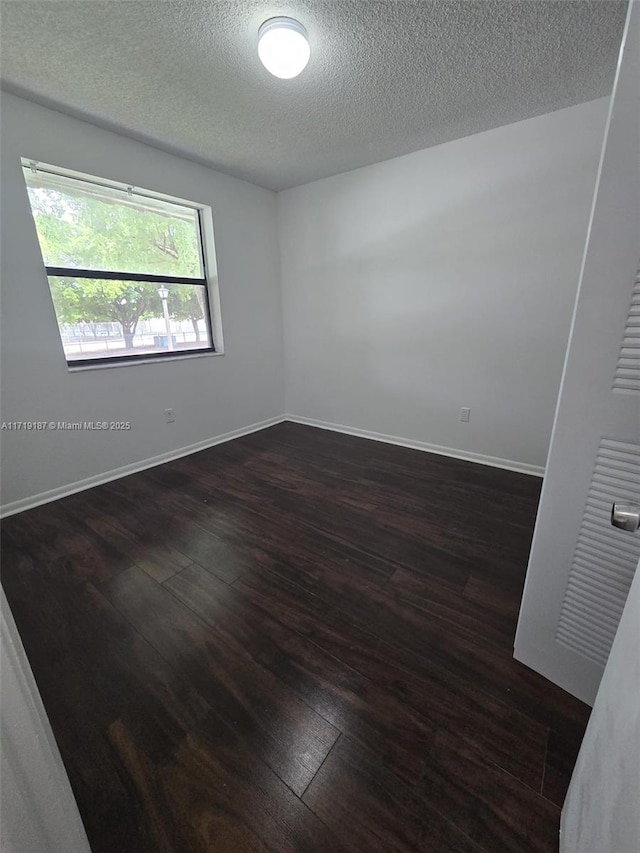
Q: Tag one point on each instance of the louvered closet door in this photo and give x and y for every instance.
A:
(581, 568)
(627, 376)
(604, 559)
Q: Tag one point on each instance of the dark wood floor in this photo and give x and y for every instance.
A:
(295, 641)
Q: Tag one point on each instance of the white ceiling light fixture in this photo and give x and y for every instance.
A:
(283, 47)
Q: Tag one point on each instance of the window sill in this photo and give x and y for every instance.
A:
(105, 365)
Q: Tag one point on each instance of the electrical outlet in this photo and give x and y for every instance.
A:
(465, 415)
(169, 416)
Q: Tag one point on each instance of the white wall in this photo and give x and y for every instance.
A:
(39, 812)
(442, 279)
(410, 288)
(601, 813)
(211, 395)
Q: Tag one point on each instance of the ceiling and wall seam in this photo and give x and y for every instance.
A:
(385, 79)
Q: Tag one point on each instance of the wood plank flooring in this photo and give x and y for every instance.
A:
(295, 641)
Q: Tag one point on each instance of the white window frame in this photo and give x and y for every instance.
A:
(209, 273)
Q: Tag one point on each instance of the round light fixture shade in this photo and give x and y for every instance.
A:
(283, 47)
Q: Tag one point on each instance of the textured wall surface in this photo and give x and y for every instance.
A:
(442, 279)
(385, 78)
(211, 395)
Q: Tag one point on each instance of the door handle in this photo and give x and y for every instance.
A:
(626, 516)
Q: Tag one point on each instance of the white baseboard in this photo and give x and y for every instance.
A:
(115, 474)
(133, 468)
(493, 461)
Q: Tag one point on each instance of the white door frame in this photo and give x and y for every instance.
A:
(39, 811)
(588, 410)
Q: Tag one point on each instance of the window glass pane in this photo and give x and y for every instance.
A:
(86, 226)
(101, 318)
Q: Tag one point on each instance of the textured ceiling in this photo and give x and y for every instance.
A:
(384, 79)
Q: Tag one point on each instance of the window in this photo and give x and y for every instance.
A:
(129, 271)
